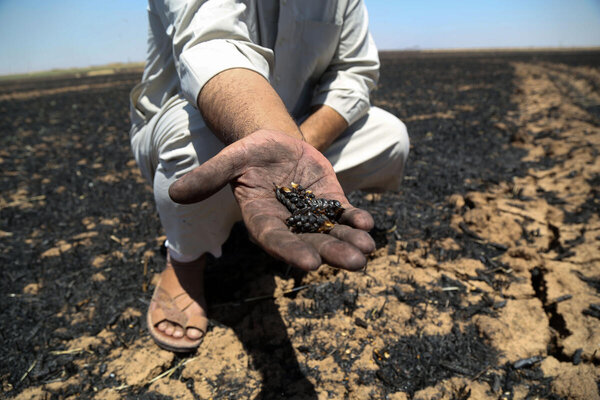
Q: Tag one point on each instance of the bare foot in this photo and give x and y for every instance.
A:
(179, 310)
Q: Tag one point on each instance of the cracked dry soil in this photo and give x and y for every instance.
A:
(485, 284)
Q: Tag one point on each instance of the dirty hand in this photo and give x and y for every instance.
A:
(252, 165)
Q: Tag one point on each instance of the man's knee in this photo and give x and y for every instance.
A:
(392, 131)
(374, 154)
(396, 135)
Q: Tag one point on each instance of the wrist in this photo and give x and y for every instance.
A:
(322, 127)
(313, 138)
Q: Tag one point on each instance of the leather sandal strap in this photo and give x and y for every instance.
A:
(168, 308)
(183, 301)
(157, 313)
(197, 321)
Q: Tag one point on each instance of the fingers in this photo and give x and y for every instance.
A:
(356, 237)
(344, 247)
(335, 252)
(288, 247)
(208, 178)
(352, 216)
(357, 218)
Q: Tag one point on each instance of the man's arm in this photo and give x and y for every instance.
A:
(238, 102)
(265, 146)
(323, 126)
(342, 96)
(352, 74)
(210, 38)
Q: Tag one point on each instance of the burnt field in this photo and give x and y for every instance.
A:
(485, 284)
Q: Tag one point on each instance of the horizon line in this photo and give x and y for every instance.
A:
(118, 65)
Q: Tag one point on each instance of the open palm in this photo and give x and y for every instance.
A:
(252, 166)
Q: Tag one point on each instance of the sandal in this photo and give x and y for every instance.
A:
(166, 307)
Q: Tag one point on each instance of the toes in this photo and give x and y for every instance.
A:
(162, 326)
(178, 332)
(170, 329)
(194, 333)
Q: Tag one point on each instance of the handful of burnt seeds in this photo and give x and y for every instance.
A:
(309, 214)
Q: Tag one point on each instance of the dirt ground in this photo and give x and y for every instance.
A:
(485, 284)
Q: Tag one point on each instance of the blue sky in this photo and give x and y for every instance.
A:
(40, 35)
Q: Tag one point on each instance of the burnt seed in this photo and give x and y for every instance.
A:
(309, 214)
(279, 196)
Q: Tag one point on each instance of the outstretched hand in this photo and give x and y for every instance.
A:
(252, 165)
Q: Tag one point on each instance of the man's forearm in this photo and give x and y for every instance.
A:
(238, 102)
(322, 127)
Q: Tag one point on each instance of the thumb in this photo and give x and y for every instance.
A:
(208, 178)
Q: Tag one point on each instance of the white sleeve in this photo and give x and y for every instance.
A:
(210, 36)
(354, 70)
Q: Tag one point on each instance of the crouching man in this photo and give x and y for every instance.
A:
(237, 96)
